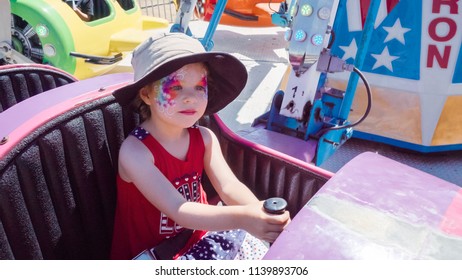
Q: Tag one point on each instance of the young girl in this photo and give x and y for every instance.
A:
(161, 162)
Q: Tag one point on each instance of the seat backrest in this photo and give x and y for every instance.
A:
(19, 82)
(265, 171)
(57, 187)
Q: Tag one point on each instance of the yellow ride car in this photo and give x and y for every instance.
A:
(51, 32)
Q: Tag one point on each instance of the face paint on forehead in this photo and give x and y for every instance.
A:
(180, 74)
(185, 70)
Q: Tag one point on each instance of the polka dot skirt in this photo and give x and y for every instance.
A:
(227, 245)
(252, 249)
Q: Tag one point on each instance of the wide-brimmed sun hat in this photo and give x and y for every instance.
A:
(165, 53)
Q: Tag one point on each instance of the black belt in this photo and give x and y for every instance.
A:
(168, 248)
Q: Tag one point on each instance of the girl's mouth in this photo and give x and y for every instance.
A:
(188, 112)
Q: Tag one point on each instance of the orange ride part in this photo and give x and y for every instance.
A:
(246, 13)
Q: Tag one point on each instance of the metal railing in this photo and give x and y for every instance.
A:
(159, 8)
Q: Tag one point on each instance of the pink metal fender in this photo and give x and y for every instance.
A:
(376, 208)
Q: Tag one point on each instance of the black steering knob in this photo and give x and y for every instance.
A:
(275, 205)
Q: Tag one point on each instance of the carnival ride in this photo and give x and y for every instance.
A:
(58, 164)
(255, 13)
(387, 41)
(57, 201)
(50, 32)
(59, 150)
(401, 47)
(412, 45)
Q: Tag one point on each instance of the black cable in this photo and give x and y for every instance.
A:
(332, 39)
(368, 109)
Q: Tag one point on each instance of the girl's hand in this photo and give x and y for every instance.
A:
(262, 225)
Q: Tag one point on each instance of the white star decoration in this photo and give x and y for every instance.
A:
(432, 105)
(397, 32)
(350, 51)
(384, 59)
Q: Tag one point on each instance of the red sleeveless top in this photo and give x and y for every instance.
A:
(138, 224)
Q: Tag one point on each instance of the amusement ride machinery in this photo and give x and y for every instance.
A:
(306, 109)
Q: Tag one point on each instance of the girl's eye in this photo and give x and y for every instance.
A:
(176, 88)
(201, 88)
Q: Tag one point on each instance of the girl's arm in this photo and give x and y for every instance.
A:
(136, 164)
(229, 188)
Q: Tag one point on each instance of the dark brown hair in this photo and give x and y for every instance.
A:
(140, 106)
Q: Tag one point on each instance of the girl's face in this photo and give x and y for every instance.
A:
(181, 96)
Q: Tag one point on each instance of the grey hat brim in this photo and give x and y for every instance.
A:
(228, 77)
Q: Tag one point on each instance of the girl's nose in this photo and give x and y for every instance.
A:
(190, 96)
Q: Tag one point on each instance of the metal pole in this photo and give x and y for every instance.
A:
(360, 57)
(214, 21)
